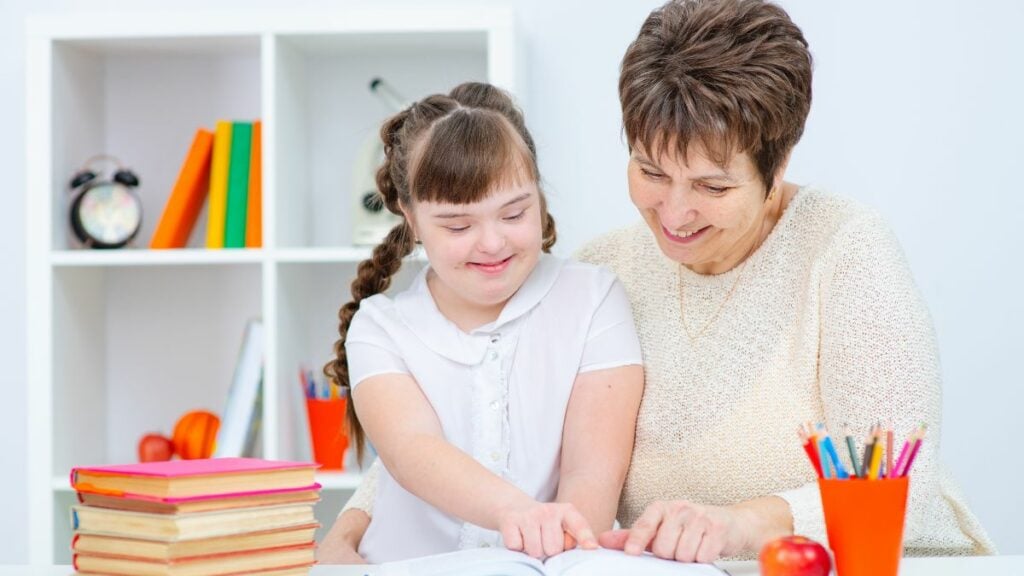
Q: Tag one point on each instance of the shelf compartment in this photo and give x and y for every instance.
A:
(136, 348)
(141, 100)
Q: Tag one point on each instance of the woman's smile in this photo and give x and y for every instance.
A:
(685, 237)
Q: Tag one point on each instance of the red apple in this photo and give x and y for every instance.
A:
(155, 448)
(794, 556)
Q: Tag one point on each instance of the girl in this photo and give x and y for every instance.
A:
(501, 389)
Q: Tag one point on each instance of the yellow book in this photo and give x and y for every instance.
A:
(177, 527)
(217, 214)
(155, 550)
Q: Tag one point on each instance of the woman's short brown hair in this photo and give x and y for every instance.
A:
(733, 75)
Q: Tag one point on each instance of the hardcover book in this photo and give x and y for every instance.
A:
(154, 550)
(189, 478)
(272, 562)
(175, 527)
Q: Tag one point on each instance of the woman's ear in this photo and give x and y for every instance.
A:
(780, 173)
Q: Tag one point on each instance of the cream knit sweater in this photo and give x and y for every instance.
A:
(824, 324)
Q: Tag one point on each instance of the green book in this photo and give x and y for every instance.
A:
(238, 185)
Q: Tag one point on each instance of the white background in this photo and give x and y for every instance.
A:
(918, 110)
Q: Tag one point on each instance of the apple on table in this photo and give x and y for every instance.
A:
(794, 556)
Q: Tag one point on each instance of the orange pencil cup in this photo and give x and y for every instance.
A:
(327, 430)
(864, 521)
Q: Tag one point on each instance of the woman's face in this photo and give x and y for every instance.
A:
(482, 252)
(705, 216)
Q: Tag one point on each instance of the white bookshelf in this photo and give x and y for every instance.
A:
(124, 342)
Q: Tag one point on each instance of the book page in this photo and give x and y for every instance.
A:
(476, 562)
(604, 562)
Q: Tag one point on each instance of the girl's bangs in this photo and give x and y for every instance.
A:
(466, 156)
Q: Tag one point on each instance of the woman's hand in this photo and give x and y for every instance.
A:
(685, 531)
(341, 544)
(543, 530)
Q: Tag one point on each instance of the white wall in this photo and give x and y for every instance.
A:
(917, 111)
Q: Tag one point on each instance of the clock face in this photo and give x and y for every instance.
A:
(110, 213)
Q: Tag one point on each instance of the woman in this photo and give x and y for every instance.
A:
(760, 304)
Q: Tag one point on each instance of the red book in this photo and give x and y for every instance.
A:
(187, 196)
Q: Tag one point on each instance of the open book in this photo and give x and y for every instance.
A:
(501, 562)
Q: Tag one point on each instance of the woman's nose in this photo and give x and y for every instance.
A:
(679, 208)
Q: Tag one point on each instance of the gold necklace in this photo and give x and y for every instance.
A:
(718, 312)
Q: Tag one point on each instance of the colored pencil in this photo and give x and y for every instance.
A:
(888, 452)
(853, 451)
(876, 455)
(869, 447)
(812, 454)
(913, 453)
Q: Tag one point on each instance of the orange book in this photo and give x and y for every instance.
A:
(187, 196)
(254, 211)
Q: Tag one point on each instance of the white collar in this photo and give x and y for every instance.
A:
(419, 312)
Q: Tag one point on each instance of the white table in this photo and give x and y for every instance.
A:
(971, 566)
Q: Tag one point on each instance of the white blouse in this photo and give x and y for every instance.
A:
(500, 391)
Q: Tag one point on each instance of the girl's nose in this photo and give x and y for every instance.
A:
(492, 240)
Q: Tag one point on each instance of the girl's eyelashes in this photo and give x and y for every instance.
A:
(512, 218)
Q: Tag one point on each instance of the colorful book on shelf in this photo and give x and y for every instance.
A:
(186, 199)
(254, 210)
(238, 185)
(174, 527)
(154, 550)
(187, 478)
(240, 412)
(221, 157)
(270, 562)
(307, 494)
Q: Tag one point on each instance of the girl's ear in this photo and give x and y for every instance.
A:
(408, 215)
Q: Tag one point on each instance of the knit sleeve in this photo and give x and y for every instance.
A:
(366, 493)
(878, 362)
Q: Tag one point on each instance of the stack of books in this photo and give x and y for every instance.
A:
(211, 517)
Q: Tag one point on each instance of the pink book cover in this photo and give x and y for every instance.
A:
(199, 467)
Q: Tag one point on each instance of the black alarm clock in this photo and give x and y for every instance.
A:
(105, 211)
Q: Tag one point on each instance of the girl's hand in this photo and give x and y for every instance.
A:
(543, 530)
(684, 531)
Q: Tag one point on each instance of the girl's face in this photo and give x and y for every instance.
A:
(704, 216)
(481, 253)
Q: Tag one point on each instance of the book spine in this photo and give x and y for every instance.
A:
(218, 185)
(254, 213)
(186, 199)
(238, 185)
